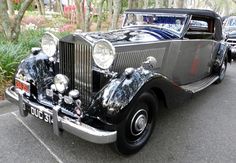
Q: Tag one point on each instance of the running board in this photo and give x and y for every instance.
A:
(200, 85)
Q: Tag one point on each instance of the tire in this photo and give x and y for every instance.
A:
(222, 70)
(136, 128)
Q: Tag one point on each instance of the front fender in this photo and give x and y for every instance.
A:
(37, 70)
(111, 103)
(119, 92)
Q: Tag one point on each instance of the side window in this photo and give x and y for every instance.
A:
(198, 25)
(200, 28)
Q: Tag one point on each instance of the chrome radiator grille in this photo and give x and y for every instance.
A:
(76, 64)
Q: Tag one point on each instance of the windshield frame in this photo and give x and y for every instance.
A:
(180, 33)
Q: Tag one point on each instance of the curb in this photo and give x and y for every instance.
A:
(5, 103)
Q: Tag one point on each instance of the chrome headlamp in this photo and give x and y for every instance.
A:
(61, 83)
(103, 54)
(49, 44)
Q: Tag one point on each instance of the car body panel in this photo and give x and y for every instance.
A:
(197, 56)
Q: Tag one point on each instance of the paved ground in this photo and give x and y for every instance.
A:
(202, 130)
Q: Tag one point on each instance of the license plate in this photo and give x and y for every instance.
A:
(41, 115)
(23, 86)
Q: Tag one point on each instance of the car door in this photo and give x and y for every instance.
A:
(190, 59)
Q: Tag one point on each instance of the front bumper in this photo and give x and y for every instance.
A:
(79, 129)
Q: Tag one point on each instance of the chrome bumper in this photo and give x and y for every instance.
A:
(79, 129)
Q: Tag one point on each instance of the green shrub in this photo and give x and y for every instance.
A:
(11, 54)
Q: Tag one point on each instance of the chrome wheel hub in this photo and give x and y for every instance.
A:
(139, 122)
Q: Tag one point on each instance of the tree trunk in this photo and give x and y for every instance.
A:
(11, 28)
(82, 14)
(42, 6)
(140, 3)
(171, 4)
(39, 7)
(179, 3)
(5, 20)
(10, 7)
(165, 3)
(78, 14)
(100, 15)
(87, 16)
(130, 4)
(59, 7)
(145, 3)
(135, 3)
(110, 11)
(115, 17)
(158, 3)
(227, 9)
(50, 5)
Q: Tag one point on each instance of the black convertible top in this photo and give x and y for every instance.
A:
(199, 12)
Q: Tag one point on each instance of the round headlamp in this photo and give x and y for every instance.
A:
(61, 83)
(49, 44)
(103, 54)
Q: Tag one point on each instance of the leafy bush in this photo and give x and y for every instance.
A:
(11, 54)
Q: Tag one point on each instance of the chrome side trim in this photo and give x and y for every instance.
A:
(79, 129)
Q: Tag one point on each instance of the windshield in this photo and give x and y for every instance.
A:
(170, 22)
(231, 22)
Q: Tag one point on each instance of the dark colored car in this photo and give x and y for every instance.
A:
(105, 87)
(229, 31)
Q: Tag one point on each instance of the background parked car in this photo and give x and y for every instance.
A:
(229, 31)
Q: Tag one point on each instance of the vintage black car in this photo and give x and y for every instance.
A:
(229, 31)
(105, 86)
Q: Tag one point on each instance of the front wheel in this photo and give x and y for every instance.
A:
(136, 128)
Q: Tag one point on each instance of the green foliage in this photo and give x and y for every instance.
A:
(16, 6)
(11, 54)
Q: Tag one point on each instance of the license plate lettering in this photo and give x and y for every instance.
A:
(41, 115)
(48, 118)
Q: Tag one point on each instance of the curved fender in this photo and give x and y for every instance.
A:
(121, 91)
(221, 54)
(110, 102)
(36, 68)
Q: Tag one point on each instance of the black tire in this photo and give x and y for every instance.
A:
(222, 70)
(132, 132)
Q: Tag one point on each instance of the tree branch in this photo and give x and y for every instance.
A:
(22, 10)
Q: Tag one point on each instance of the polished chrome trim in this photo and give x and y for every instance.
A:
(79, 129)
(21, 105)
(11, 96)
(56, 129)
(162, 41)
